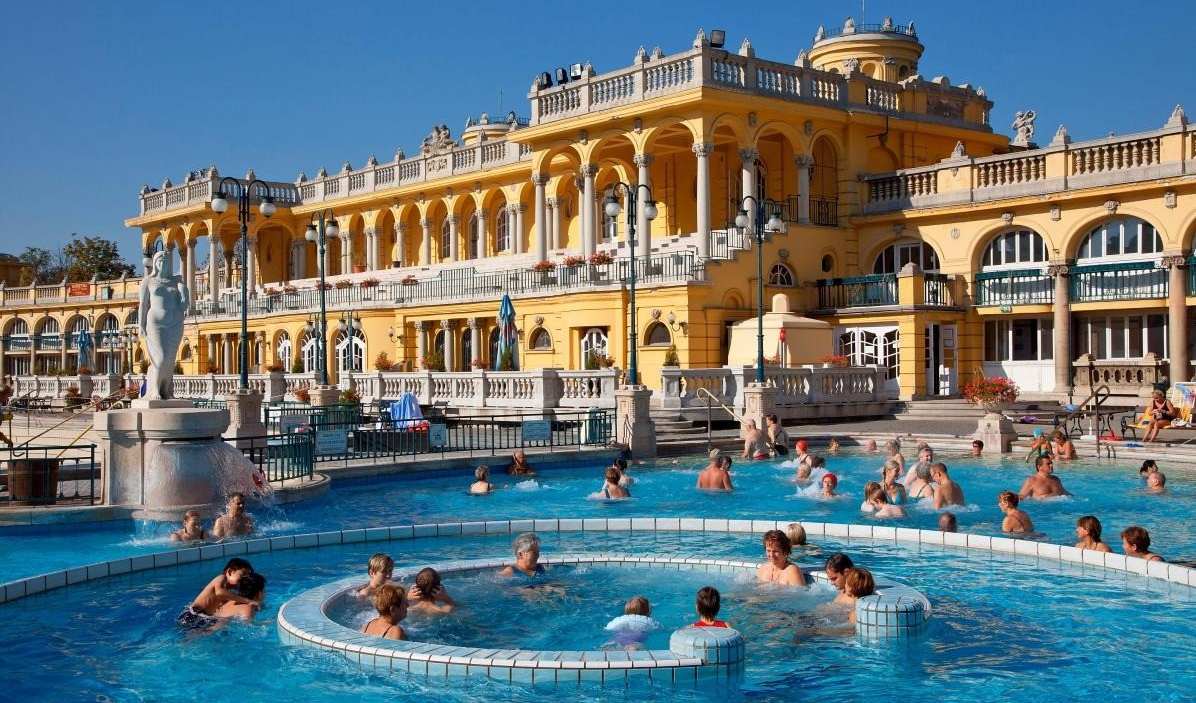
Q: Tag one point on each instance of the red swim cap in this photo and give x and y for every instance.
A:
(802, 445)
(834, 479)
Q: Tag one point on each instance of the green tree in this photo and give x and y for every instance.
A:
(94, 257)
(46, 265)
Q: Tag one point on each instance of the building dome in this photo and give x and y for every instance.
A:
(886, 51)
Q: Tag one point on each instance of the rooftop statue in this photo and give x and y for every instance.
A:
(164, 302)
(1023, 124)
(438, 142)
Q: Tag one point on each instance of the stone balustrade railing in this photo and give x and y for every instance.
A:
(1058, 167)
(536, 389)
(656, 75)
(24, 296)
(1124, 377)
(199, 189)
(801, 385)
(274, 386)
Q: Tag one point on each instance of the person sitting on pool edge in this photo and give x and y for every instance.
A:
(1160, 413)
(379, 569)
(1043, 484)
(778, 569)
(235, 522)
(192, 530)
(481, 484)
(251, 586)
(519, 465)
(1016, 520)
(1135, 542)
(709, 602)
(1088, 530)
(428, 595)
(755, 444)
(527, 557)
(611, 490)
(1064, 449)
(391, 603)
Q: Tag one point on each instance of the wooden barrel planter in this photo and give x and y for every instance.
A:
(33, 481)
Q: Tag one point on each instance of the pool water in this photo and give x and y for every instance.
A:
(1109, 489)
(1003, 628)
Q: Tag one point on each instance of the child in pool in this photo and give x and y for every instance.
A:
(192, 530)
(632, 627)
(1088, 530)
(251, 587)
(218, 592)
(611, 490)
(391, 603)
(879, 502)
(1016, 521)
(428, 595)
(857, 583)
(868, 506)
(709, 602)
(837, 565)
(380, 568)
(481, 484)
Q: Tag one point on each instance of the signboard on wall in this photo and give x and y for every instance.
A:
(437, 435)
(77, 289)
(332, 441)
(537, 430)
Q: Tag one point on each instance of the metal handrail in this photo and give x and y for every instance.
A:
(709, 414)
(114, 399)
(1098, 395)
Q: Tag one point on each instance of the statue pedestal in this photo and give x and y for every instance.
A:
(245, 415)
(147, 404)
(323, 396)
(759, 399)
(633, 423)
(995, 430)
(128, 438)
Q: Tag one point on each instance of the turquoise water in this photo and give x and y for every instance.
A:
(1111, 490)
(1003, 629)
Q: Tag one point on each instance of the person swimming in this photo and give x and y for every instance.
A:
(632, 627)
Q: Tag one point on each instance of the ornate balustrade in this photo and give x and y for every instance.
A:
(1139, 280)
(119, 289)
(1023, 287)
(859, 292)
(539, 388)
(1125, 377)
(801, 385)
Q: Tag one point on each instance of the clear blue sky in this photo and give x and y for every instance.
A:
(101, 97)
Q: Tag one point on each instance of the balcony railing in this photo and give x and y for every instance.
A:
(1137, 280)
(859, 292)
(824, 211)
(1026, 287)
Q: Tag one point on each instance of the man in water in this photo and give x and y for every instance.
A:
(235, 522)
(946, 491)
(755, 444)
(1044, 483)
(519, 465)
(164, 302)
(715, 476)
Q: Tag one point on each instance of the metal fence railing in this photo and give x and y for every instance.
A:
(44, 475)
(281, 457)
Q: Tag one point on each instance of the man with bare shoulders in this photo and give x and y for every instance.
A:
(716, 476)
(755, 444)
(946, 491)
(1044, 483)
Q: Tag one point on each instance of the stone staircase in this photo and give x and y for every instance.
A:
(676, 435)
(936, 409)
(53, 429)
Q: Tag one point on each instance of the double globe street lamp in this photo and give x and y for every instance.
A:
(266, 207)
(612, 207)
(746, 223)
(321, 226)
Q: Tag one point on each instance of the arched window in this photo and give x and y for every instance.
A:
(350, 351)
(78, 326)
(492, 344)
(502, 231)
(824, 184)
(658, 335)
(19, 328)
(48, 326)
(540, 340)
(446, 243)
(1121, 239)
(780, 275)
(185, 351)
(309, 348)
(1019, 248)
(895, 256)
(283, 351)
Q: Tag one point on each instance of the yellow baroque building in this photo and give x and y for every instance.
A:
(933, 246)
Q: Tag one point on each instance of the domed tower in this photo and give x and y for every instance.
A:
(885, 51)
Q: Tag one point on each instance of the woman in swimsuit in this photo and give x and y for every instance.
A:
(611, 490)
(921, 486)
(391, 603)
(893, 447)
(1088, 530)
(778, 569)
(1016, 521)
(1161, 413)
(1135, 541)
(527, 557)
(192, 531)
(893, 488)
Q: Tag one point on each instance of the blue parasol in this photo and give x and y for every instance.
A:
(508, 336)
(86, 345)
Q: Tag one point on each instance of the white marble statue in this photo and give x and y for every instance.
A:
(164, 303)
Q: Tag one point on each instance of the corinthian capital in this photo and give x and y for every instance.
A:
(749, 156)
(644, 160)
(589, 170)
(1061, 269)
(803, 160)
(1174, 261)
(540, 179)
(702, 149)
(419, 325)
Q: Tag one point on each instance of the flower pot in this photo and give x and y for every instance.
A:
(358, 268)
(996, 407)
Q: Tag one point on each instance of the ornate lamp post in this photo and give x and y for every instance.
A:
(774, 225)
(322, 225)
(611, 205)
(266, 207)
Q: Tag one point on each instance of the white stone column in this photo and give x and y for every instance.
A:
(190, 270)
(420, 347)
(519, 209)
(483, 234)
(510, 210)
(804, 163)
(1062, 331)
(425, 256)
(346, 253)
(454, 237)
(540, 235)
(450, 355)
(1177, 316)
(211, 350)
(702, 151)
(227, 353)
(213, 268)
(401, 244)
(554, 217)
(251, 264)
(747, 160)
(475, 338)
(643, 226)
(588, 226)
(371, 249)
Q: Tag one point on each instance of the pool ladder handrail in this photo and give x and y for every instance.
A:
(113, 400)
(709, 414)
(1098, 396)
